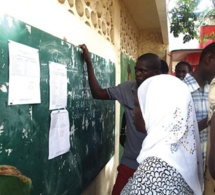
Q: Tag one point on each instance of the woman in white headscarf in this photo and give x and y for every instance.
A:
(170, 159)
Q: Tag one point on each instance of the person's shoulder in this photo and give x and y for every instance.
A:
(187, 76)
(129, 83)
(188, 79)
(191, 82)
(212, 84)
(212, 88)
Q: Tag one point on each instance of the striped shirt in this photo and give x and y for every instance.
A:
(200, 99)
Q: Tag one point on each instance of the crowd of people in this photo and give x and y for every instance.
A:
(167, 149)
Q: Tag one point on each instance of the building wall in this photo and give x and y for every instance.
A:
(106, 28)
(129, 34)
(151, 41)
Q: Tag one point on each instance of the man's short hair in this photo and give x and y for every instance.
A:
(184, 63)
(151, 59)
(208, 49)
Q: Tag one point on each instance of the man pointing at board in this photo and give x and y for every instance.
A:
(146, 66)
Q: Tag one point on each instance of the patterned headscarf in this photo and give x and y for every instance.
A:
(172, 131)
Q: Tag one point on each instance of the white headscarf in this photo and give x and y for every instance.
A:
(172, 132)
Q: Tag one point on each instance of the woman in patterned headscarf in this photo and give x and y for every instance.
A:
(170, 159)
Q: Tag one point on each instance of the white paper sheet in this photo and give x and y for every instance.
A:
(58, 86)
(24, 74)
(59, 133)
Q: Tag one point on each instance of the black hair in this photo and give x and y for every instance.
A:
(186, 64)
(208, 49)
(164, 67)
(151, 59)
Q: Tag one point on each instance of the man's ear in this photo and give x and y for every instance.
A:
(209, 57)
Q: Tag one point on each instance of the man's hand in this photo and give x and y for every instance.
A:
(85, 52)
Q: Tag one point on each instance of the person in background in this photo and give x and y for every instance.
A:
(182, 68)
(164, 67)
(170, 160)
(147, 65)
(198, 84)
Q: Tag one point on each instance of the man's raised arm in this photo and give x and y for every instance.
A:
(96, 90)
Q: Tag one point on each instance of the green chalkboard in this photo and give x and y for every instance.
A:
(24, 129)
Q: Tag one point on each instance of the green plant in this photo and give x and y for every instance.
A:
(185, 18)
(206, 37)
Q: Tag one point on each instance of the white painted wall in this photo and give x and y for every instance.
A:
(176, 43)
(51, 17)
